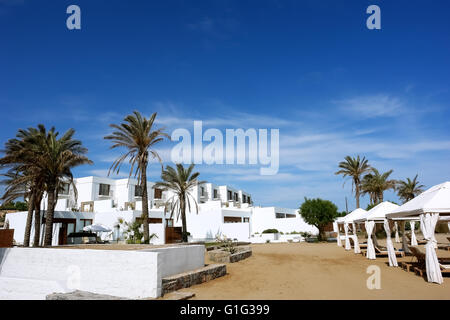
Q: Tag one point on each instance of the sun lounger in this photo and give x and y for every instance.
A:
(421, 241)
(408, 266)
(381, 252)
(420, 269)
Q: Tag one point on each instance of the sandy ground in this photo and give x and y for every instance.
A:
(315, 271)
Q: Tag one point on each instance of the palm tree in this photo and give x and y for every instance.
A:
(409, 189)
(376, 183)
(354, 168)
(23, 179)
(181, 182)
(138, 136)
(56, 157)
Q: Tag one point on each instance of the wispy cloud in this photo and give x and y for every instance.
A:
(372, 106)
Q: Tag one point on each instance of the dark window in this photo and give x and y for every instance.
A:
(246, 219)
(65, 189)
(244, 198)
(279, 215)
(236, 197)
(85, 222)
(138, 191)
(290, 215)
(230, 195)
(202, 191)
(104, 189)
(232, 219)
(215, 194)
(150, 220)
(158, 194)
(249, 200)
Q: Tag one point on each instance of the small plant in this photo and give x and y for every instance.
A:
(226, 243)
(267, 241)
(306, 235)
(270, 231)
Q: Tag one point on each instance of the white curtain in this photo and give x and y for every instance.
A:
(370, 248)
(355, 239)
(428, 223)
(390, 246)
(347, 240)
(413, 234)
(339, 242)
(397, 238)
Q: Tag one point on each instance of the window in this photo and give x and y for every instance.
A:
(85, 222)
(236, 197)
(138, 191)
(202, 191)
(290, 215)
(65, 189)
(158, 194)
(246, 219)
(150, 220)
(232, 219)
(249, 200)
(104, 189)
(279, 215)
(244, 198)
(230, 195)
(215, 194)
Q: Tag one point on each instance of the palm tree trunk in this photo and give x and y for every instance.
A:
(26, 239)
(145, 202)
(357, 195)
(37, 221)
(49, 216)
(183, 217)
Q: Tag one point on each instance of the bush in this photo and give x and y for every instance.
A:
(270, 231)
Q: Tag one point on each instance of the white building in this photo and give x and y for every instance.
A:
(222, 210)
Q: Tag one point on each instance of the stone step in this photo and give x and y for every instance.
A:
(187, 279)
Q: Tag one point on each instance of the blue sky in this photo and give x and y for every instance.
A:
(309, 68)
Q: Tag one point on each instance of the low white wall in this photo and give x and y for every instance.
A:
(180, 259)
(131, 274)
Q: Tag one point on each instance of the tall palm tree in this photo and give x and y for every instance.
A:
(23, 179)
(137, 134)
(56, 157)
(354, 168)
(409, 189)
(376, 183)
(181, 182)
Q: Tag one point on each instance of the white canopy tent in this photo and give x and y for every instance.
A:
(378, 215)
(429, 207)
(346, 221)
(350, 219)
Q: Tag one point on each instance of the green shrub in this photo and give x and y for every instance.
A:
(270, 231)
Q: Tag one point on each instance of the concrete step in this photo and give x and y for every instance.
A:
(27, 289)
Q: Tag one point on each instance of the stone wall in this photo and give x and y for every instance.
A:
(223, 256)
(187, 279)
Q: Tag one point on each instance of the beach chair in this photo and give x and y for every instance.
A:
(382, 252)
(420, 268)
(421, 241)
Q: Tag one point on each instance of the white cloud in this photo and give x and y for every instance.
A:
(371, 106)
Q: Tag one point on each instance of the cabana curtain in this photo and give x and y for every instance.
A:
(370, 248)
(347, 240)
(413, 234)
(355, 239)
(397, 238)
(428, 223)
(339, 242)
(390, 246)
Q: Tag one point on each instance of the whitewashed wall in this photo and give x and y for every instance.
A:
(130, 274)
(264, 218)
